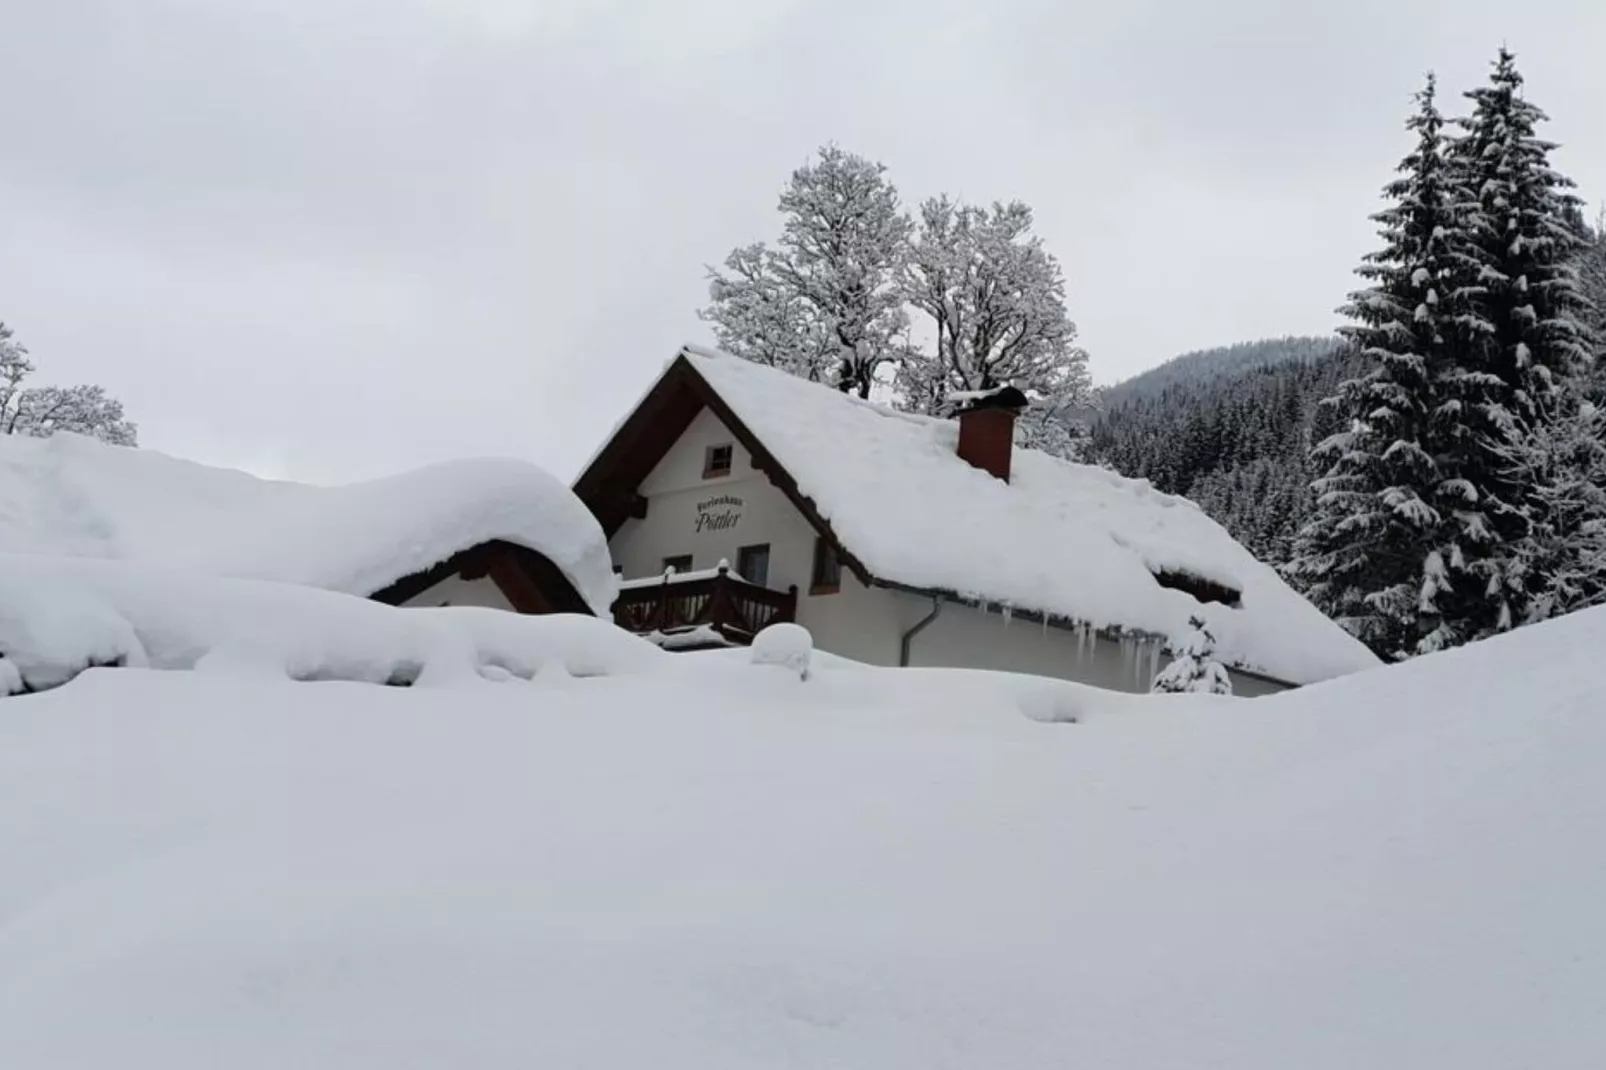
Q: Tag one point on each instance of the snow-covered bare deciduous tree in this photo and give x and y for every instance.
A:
(824, 303)
(996, 301)
(40, 411)
(1194, 668)
(1382, 495)
(762, 318)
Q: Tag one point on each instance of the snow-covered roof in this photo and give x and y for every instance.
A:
(1065, 540)
(73, 496)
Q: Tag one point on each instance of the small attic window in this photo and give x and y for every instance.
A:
(717, 461)
(1199, 588)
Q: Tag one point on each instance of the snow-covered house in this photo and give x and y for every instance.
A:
(735, 495)
(495, 533)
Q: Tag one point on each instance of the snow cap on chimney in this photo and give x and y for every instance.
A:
(987, 427)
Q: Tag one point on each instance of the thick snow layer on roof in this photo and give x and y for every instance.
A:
(70, 495)
(1070, 540)
(876, 868)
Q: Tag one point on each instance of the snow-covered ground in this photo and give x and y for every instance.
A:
(706, 863)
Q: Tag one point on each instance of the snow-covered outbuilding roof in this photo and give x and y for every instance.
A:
(73, 496)
(1072, 543)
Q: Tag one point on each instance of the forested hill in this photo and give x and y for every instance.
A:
(1231, 429)
(1223, 362)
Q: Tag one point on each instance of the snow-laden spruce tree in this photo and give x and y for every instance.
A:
(1195, 668)
(40, 411)
(824, 302)
(1592, 277)
(996, 301)
(1519, 341)
(1564, 465)
(1369, 549)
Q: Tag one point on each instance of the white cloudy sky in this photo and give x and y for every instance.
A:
(332, 238)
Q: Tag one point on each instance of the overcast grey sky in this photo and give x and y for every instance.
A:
(327, 239)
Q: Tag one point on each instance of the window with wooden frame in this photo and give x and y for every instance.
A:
(717, 460)
(678, 563)
(827, 576)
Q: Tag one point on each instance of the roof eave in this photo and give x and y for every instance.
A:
(1113, 632)
(660, 418)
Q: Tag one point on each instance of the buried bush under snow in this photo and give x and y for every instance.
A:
(787, 645)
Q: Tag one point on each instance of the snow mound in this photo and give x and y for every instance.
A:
(71, 495)
(725, 869)
(62, 615)
(788, 645)
(1069, 540)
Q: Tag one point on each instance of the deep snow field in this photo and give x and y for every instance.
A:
(698, 862)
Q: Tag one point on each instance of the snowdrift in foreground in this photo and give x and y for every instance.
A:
(730, 867)
(70, 495)
(62, 615)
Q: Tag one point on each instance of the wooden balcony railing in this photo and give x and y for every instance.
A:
(718, 600)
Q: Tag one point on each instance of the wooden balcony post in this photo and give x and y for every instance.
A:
(719, 597)
(660, 612)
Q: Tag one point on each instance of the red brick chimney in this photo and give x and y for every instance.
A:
(987, 428)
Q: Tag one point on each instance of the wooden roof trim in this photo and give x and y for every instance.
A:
(610, 483)
(783, 480)
(529, 580)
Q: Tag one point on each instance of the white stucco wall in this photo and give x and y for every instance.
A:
(964, 636)
(741, 509)
(456, 591)
(866, 624)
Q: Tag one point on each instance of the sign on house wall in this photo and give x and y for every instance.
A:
(719, 513)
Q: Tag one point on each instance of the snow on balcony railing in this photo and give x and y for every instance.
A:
(716, 598)
(689, 576)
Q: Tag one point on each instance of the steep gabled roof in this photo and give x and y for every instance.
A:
(1072, 544)
(76, 497)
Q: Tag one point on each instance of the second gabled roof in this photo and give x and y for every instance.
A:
(72, 496)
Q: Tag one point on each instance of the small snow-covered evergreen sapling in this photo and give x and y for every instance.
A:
(1195, 668)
